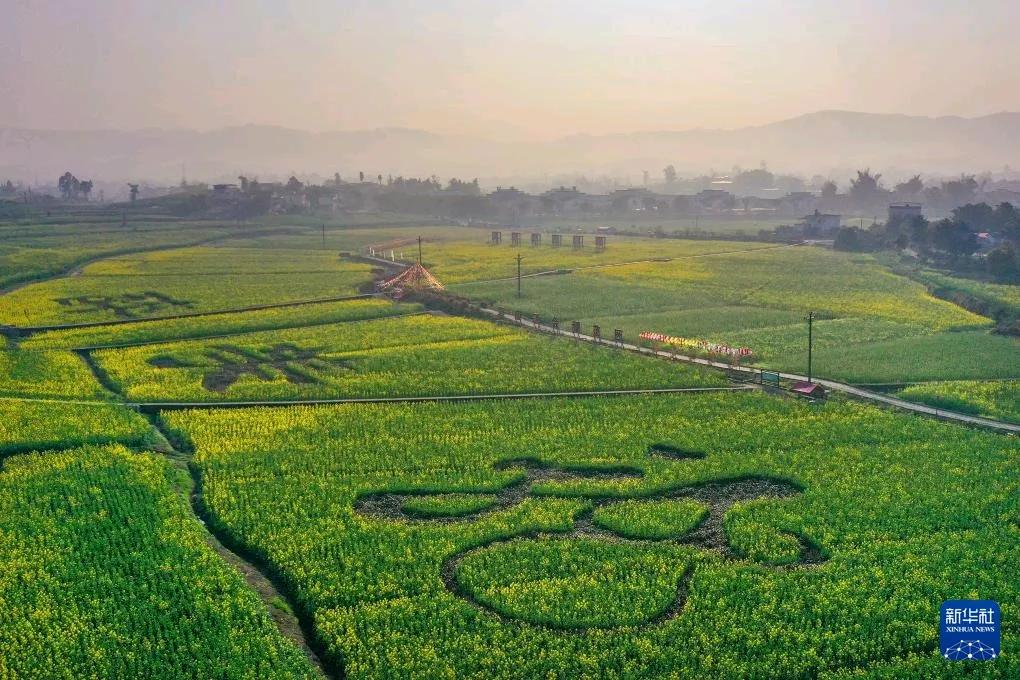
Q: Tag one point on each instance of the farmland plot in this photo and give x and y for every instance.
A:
(39, 250)
(761, 299)
(37, 425)
(461, 262)
(998, 399)
(184, 281)
(824, 537)
(46, 373)
(219, 324)
(408, 356)
(939, 356)
(103, 573)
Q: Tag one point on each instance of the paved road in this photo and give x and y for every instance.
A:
(833, 385)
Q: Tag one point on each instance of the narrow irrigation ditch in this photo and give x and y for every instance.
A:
(292, 620)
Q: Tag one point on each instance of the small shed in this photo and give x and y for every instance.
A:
(809, 389)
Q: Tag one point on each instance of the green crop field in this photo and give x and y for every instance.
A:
(47, 374)
(802, 279)
(761, 300)
(167, 283)
(995, 296)
(35, 251)
(119, 582)
(406, 356)
(990, 398)
(215, 325)
(462, 261)
(33, 425)
(838, 515)
(717, 534)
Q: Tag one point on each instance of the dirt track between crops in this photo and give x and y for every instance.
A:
(293, 624)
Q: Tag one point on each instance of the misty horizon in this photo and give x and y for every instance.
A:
(566, 135)
(831, 144)
(531, 71)
(143, 91)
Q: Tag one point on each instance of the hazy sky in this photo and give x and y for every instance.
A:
(500, 69)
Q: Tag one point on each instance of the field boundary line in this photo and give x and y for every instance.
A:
(146, 407)
(152, 406)
(850, 390)
(59, 400)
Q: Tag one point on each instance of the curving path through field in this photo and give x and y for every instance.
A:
(850, 390)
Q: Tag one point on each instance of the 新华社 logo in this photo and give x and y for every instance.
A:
(970, 630)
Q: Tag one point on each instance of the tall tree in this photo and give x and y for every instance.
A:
(910, 189)
(69, 186)
(977, 216)
(960, 191)
(1002, 262)
(1007, 221)
(866, 190)
(952, 236)
(669, 173)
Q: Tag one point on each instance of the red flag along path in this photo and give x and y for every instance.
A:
(715, 347)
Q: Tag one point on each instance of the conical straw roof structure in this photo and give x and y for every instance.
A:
(415, 277)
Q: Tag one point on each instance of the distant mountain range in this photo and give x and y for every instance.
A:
(828, 143)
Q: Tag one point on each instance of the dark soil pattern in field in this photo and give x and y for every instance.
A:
(223, 365)
(125, 306)
(709, 534)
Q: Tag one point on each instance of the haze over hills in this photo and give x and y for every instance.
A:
(830, 143)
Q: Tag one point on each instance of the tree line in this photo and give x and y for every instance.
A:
(950, 241)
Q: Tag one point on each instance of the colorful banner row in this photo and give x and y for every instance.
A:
(714, 347)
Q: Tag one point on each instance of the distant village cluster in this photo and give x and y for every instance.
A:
(819, 207)
(950, 220)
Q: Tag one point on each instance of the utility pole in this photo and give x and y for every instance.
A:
(518, 274)
(810, 318)
(323, 236)
(419, 250)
